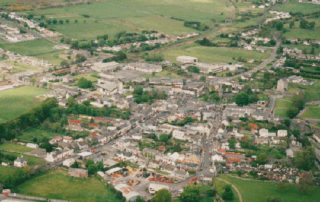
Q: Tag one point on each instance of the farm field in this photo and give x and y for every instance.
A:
(312, 112)
(11, 147)
(30, 134)
(256, 191)
(296, 7)
(40, 48)
(14, 102)
(57, 185)
(212, 54)
(113, 16)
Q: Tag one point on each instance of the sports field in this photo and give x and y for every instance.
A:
(14, 102)
(110, 17)
(57, 185)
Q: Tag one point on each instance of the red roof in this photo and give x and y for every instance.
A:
(62, 71)
(233, 160)
(234, 154)
(253, 126)
(74, 121)
(221, 151)
(93, 125)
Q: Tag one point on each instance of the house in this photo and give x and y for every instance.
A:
(282, 133)
(316, 137)
(177, 134)
(282, 85)
(153, 187)
(103, 67)
(127, 192)
(68, 162)
(187, 59)
(20, 162)
(77, 172)
(144, 67)
(263, 132)
(75, 125)
(32, 145)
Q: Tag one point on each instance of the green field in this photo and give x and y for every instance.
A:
(256, 191)
(295, 7)
(11, 147)
(28, 135)
(212, 54)
(282, 106)
(220, 185)
(40, 48)
(14, 102)
(312, 112)
(58, 185)
(113, 16)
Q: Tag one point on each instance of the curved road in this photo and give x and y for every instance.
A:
(233, 186)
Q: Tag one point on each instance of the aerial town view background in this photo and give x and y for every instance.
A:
(160, 100)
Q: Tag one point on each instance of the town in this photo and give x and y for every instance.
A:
(144, 115)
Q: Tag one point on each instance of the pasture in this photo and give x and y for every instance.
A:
(110, 17)
(256, 191)
(57, 185)
(212, 54)
(14, 102)
(295, 7)
(312, 112)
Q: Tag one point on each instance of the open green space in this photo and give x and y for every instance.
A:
(257, 191)
(40, 48)
(282, 106)
(11, 147)
(110, 17)
(312, 112)
(57, 185)
(295, 7)
(212, 54)
(14, 102)
(220, 185)
(30, 134)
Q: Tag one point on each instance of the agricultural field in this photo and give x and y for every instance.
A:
(57, 185)
(30, 134)
(312, 112)
(40, 48)
(212, 54)
(256, 191)
(113, 16)
(11, 147)
(295, 7)
(14, 102)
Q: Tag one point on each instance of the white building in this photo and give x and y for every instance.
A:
(282, 133)
(20, 162)
(153, 187)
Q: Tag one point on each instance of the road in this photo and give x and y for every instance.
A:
(233, 186)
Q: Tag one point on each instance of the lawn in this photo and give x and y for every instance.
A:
(40, 48)
(212, 54)
(282, 106)
(57, 185)
(14, 102)
(30, 134)
(312, 112)
(220, 185)
(112, 16)
(11, 147)
(256, 191)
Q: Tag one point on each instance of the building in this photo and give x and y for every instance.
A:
(187, 59)
(20, 162)
(153, 187)
(282, 85)
(77, 172)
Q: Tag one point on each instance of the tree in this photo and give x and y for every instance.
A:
(227, 195)
(262, 158)
(190, 194)
(305, 158)
(164, 138)
(291, 25)
(80, 58)
(193, 69)
(92, 169)
(273, 199)
(162, 195)
(84, 83)
(242, 99)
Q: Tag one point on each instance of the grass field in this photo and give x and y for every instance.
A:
(14, 102)
(11, 147)
(212, 54)
(32, 161)
(256, 191)
(113, 16)
(312, 112)
(282, 106)
(40, 48)
(220, 185)
(58, 185)
(28, 135)
(295, 7)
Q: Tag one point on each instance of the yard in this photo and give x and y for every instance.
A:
(282, 106)
(57, 185)
(14, 102)
(110, 17)
(11, 147)
(212, 54)
(256, 191)
(30, 134)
